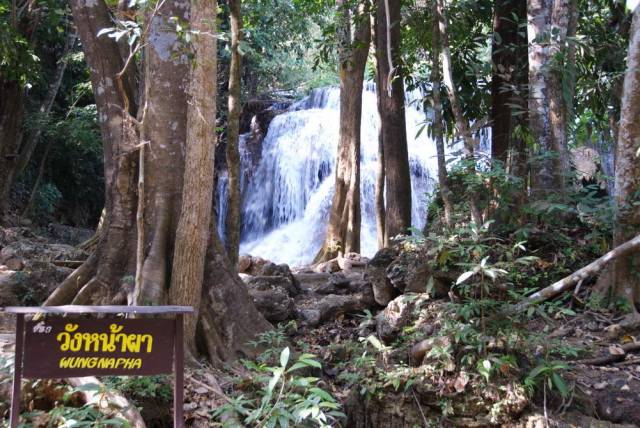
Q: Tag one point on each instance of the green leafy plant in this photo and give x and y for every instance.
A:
(285, 397)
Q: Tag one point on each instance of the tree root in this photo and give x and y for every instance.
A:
(69, 288)
(109, 400)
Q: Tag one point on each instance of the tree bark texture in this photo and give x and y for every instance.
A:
(436, 88)
(227, 314)
(233, 220)
(509, 76)
(626, 270)
(166, 58)
(462, 125)
(390, 93)
(343, 231)
(547, 29)
(192, 234)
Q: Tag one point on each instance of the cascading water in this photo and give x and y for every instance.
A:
(287, 199)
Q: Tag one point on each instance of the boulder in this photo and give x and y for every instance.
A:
(274, 304)
(257, 266)
(265, 283)
(376, 274)
(36, 249)
(397, 315)
(411, 272)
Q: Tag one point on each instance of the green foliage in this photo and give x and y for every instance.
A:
(283, 397)
(548, 374)
(141, 387)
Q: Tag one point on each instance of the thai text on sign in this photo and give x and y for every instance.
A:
(112, 346)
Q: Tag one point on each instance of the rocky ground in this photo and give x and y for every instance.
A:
(374, 325)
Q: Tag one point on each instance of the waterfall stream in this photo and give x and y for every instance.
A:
(286, 198)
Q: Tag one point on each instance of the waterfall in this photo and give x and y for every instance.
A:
(287, 198)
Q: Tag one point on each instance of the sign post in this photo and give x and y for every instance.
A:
(56, 347)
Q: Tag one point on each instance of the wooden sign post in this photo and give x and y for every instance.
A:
(56, 347)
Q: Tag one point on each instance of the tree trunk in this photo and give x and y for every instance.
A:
(233, 220)
(380, 176)
(626, 270)
(193, 229)
(26, 151)
(165, 128)
(343, 231)
(227, 314)
(462, 125)
(437, 118)
(11, 112)
(548, 24)
(506, 81)
(390, 92)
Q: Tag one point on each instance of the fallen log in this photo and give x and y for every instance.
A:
(569, 282)
(612, 357)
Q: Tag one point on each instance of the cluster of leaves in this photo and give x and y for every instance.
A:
(281, 396)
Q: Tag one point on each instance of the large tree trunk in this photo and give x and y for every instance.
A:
(233, 220)
(548, 24)
(390, 92)
(462, 125)
(165, 128)
(507, 76)
(343, 231)
(193, 229)
(227, 313)
(626, 270)
(437, 117)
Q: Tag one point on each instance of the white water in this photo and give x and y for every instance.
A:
(286, 202)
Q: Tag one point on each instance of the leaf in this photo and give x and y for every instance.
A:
(462, 278)
(559, 384)
(284, 357)
(277, 373)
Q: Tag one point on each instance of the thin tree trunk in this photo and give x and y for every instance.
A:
(505, 82)
(390, 93)
(380, 180)
(233, 220)
(343, 231)
(380, 176)
(462, 125)
(626, 276)
(11, 112)
(26, 151)
(437, 119)
(36, 184)
(192, 233)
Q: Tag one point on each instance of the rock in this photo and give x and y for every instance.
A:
(411, 272)
(309, 317)
(9, 281)
(244, 263)
(376, 273)
(333, 305)
(330, 266)
(14, 263)
(274, 304)
(35, 249)
(257, 266)
(397, 315)
(265, 283)
(69, 235)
